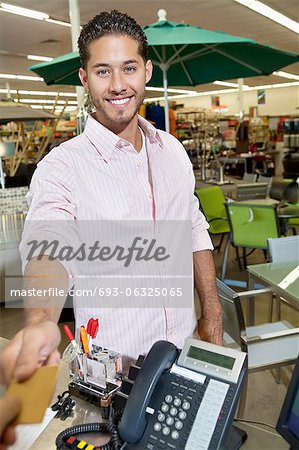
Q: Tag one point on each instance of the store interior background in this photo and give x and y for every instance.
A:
(21, 36)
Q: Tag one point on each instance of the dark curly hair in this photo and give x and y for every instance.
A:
(111, 23)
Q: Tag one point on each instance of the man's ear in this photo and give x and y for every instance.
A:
(83, 77)
(148, 70)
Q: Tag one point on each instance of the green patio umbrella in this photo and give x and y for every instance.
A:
(184, 55)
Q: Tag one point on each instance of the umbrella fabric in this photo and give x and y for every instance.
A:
(197, 56)
(184, 55)
(209, 60)
(62, 70)
(12, 112)
(193, 56)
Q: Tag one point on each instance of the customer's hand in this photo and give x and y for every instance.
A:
(30, 348)
(210, 329)
(9, 408)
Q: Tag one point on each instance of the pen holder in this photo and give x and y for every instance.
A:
(95, 376)
(99, 367)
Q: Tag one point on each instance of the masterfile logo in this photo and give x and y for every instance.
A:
(140, 250)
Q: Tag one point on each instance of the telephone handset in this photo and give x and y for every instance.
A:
(160, 358)
(183, 400)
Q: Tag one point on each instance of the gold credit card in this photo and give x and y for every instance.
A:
(35, 394)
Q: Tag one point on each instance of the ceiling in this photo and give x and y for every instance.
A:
(20, 36)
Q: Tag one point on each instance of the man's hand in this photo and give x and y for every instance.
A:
(32, 347)
(210, 324)
(9, 408)
(210, 330)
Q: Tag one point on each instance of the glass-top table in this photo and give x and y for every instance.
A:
(272, 274)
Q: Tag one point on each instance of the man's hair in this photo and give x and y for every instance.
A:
(111, 23)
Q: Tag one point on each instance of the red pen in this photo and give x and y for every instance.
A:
(94, 328)
(88, 326)
(69, 334)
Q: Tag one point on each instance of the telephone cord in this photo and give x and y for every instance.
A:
(115, 442)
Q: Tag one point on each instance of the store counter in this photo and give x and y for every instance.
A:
(259, 437)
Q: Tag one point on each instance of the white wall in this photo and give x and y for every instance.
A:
(279, 101)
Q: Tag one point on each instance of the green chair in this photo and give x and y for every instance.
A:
(250, 227)
(212, 201)
(292, 222)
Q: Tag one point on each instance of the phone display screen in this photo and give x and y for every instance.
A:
(200, 354)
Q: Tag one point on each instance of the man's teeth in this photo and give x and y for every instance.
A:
(120, 101)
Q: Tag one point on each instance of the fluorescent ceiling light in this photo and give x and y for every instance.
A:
(282, 85)
(6, 91)
(40, 107)
(175, 91)
(57, 109)
(6, 7)
(39, 58)
(32, 14)
(271, 14)
(67, 94)
(290, 76)
(40, 100)
(46, 101)
(29, 78)
(11, 76)
(228, 84)
(170, 97)
(58, 22)
(47, 93)
(224, 91)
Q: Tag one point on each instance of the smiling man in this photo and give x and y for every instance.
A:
(115, 75)
(120, 168)
(115, 70)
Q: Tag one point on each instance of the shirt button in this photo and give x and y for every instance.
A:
(139, 164)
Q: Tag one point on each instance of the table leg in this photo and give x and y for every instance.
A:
(250, 302)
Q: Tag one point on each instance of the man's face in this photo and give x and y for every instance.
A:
(115, 78)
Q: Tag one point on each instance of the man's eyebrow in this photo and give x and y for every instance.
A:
(103, 64)
(131, 61)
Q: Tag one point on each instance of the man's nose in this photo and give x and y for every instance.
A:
(117, 84)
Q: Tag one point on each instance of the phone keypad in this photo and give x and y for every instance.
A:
(171, 414)
(175, 416)
(164, 408)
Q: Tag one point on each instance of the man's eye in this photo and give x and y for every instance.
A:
(130, 69)
(102, 72)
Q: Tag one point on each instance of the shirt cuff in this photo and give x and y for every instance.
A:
(201, 240)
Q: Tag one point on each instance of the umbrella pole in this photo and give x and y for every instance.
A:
(241, 99)
(164, 68)
(75, 32)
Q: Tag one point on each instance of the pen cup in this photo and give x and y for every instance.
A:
(97, 368)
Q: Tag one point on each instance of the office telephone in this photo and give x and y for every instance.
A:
(180, 400)
(183, 400)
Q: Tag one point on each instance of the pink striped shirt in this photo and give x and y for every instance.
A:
(99, 176)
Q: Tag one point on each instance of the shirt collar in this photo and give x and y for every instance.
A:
(105, 141)
(150, 131)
